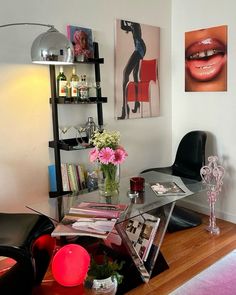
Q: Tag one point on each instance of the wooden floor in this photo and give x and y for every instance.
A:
(187, 252)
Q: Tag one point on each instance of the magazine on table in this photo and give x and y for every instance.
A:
(141, 231)
(99, 209)
(75, 225)
(167, 188)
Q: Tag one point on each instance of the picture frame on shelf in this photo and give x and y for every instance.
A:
(82, 40)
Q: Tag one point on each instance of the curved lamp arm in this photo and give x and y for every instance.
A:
(21, 24)
(50, 47)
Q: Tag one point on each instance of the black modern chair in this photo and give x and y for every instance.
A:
(190, 157)
(26, 239)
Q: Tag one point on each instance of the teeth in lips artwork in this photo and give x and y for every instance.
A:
(205, 59)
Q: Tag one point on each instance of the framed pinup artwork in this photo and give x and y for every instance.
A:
(82, 40)
(137, 58)
(206, 59)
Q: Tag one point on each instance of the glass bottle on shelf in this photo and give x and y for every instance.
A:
(90, 128)
(83, 89)
(74, 80)
(61, 83)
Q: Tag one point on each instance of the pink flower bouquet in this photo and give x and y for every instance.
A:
(109, 154)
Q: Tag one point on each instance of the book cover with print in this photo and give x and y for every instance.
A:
(82, 40)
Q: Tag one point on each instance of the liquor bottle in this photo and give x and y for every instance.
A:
(84, 89)
(61, 83)
(74, 80)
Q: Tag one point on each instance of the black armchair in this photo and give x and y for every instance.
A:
(190, 157)
(26, 239)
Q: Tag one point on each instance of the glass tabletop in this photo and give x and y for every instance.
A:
(144, 202)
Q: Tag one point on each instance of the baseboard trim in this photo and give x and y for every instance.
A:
(205, 210)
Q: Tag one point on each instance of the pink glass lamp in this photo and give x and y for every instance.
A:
(70, 265)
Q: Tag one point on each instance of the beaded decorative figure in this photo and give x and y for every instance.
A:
(212, 175)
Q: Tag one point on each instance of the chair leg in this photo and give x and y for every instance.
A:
(19, 279)
(150, 107)
(183, 218)
(42, 252)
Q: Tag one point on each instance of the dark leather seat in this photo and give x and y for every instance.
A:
(190, 157)
(26, 239)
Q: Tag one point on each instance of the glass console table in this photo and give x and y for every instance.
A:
(160, 206)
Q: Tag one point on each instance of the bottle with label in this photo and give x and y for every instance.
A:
(61, 83)
(74, 81)
(83, 89)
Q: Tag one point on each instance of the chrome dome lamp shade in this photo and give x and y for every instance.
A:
(52, 47)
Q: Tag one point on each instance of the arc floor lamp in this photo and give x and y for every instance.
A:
(50, 47)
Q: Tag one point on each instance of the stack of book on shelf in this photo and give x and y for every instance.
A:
(73, 177)
(141, 231)
(89, 219)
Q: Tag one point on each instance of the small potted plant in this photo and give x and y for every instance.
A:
(103, 275)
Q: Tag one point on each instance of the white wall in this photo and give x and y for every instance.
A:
(210, 111)
(25, 113)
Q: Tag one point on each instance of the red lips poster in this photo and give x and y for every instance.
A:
(206, 59)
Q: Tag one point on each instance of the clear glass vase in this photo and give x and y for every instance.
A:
(108, 179)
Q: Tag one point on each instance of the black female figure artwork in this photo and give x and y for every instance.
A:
(136, 69)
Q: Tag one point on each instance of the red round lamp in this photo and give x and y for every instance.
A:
(70, 265)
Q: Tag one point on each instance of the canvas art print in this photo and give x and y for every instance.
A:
(82, 40)
(137, 58)
(206, 59)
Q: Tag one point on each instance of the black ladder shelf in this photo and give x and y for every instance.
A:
(71, 144)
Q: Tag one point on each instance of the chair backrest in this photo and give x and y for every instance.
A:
(148, 70)
(190, 155)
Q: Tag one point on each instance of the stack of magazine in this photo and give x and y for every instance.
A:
(89, 219)
(141, 230)
(168, 188)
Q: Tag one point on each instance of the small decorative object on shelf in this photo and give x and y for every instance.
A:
(88, 130)
(63, 131)
(109, 155)
(212, 175)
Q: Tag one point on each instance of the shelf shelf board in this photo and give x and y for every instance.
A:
(91, 61)
(71, 100)
(59, 194)
(71, 144)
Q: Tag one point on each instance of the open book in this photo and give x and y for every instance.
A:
(75, 225)
(141, 231)
(167, 188)
(90, 219)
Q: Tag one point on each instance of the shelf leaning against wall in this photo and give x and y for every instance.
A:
(72, 143)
